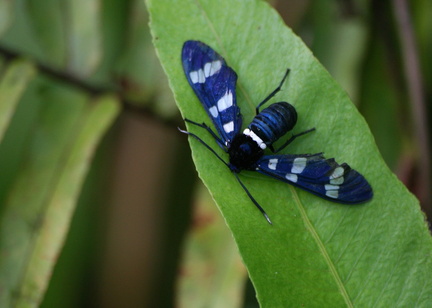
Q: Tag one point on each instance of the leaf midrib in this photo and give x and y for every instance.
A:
(309, 226)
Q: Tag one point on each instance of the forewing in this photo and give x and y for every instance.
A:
(320, 176)
(214, 84)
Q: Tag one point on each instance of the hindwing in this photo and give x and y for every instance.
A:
(318, 175)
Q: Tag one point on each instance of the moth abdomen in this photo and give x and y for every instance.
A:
(274, 121)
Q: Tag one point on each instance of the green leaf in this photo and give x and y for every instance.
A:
(84, 48)
(12, 84)
(5, 15)
(49, 27)
(42, 199)
(317, 253)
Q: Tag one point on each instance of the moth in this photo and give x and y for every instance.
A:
(214, 83)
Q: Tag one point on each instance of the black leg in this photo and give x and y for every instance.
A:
(235, 174)
(293, 137)
(207, 128)
(203, 143)
(253, 199)
(273, 93)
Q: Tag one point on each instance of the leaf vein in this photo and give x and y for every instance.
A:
(322, 249)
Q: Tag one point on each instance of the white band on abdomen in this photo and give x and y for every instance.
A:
(255, 138)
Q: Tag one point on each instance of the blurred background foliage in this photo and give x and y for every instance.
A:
(138, 228)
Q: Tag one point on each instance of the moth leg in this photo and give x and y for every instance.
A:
(207, 128)
(274, 92)
(253, 199)
(203, 143)
(293, 137)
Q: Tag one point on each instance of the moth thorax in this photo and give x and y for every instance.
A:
(244, 152)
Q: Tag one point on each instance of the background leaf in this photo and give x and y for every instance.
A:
(317, 253)
(5, 14)
(11, 87)
(212, 274)
(42, 198)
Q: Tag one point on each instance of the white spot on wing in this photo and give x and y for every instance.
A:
(273, 163)
(338, 172)
(194, 76)
(229, 127)
(291, 177)
(216, 66)
(332, 194)
(337, 181)
(201, 77)
(214, 112)
(207, 67)
(197, 76)
(225, 101)
(298, 165)
(332, 191)
(336, 178)
(212, 68)
(331, 187)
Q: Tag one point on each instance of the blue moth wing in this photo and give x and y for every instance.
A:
(214, 83)
(320, 176)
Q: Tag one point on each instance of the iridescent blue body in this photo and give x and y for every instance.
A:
(214, 83)
(274, 122)
(267, 127)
